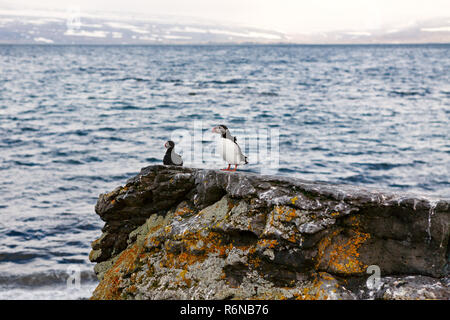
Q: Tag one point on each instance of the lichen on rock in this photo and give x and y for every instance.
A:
(183, 233)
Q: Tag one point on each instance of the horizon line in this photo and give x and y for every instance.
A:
(230, 44)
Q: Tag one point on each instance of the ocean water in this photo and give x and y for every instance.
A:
(77, 121)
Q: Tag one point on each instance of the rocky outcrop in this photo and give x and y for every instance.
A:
(183, 233)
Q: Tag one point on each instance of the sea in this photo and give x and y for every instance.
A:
(77, 121)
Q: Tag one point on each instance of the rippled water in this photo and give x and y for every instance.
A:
(76, 121)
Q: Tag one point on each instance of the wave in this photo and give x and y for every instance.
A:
(137, 79)
(125, 107)
(55, 292)
(223, 82)
(358, 179)
(7, 142)
(47, 278)
(103, 178)
(378, 166)
(69, 161)
(169, 80)
(409, 93)
(19, 257)
(268, 94)
(25, 164)
(286, 170)
(107, 129)
(165, 106)
(385, 165)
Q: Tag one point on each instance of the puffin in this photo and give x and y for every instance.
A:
(171, 158)
(229, 149)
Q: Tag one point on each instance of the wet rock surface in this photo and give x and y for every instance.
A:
(185, 233)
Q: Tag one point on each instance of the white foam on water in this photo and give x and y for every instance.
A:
(48, 293)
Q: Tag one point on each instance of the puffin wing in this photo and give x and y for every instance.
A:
(176, 159)
(243, 158)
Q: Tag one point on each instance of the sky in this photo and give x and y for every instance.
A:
(288, 16)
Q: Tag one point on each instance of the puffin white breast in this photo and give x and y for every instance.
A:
(231, 152)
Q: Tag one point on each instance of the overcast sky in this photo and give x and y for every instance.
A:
(291, 16)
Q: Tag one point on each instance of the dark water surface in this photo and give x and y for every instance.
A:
(76, 121)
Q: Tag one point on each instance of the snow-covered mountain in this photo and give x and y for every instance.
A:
(428, 31)
(72, 27)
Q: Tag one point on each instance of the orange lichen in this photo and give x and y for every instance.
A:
(195, 248)
(254, 261)
(325, 276)
(314, 291)
(109, 287)
(154, 229)
(153, 241)
(344, 256)
(284, 213)
(183, 211)
(339, 253)
(131, 289)
(182, 275)
(267, 243)
(292, 238)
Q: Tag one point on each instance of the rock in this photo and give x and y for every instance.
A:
(184, 233)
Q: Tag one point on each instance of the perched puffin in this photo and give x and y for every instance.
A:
(171, 158)
(229, 149)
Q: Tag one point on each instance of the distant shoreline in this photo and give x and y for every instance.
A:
(229, 44)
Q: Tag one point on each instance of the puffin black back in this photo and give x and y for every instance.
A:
(171, 158)
(167, 158)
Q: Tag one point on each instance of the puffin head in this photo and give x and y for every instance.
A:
(169, 144)
(220, 129)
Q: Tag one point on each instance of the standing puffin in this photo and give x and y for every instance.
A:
(171, 158)
(229, 149)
